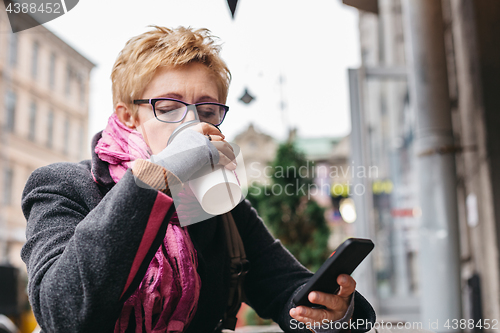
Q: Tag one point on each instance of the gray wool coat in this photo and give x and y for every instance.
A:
(85, 252)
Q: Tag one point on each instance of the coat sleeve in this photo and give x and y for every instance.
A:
(83, 263)
(276, 276)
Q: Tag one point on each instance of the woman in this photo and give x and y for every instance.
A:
(104, 254)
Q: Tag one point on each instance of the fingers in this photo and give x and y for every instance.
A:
(226, 154)
(309, 315)
(336, 305)
(331, 301)
(347, 285)
(206, 128)
(210, 129)
(215, 137)
(305, 320)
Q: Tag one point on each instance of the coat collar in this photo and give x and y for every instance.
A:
(100, 169)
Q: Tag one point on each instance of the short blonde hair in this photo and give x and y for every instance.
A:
(142, 55)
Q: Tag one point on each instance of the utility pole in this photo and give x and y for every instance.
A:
(429, 98)
(362, 195)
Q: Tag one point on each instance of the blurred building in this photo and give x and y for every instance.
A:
(331, 171)
(385, 132)
(329, 167)
(259, 149)
(390, 148)
(44, 111)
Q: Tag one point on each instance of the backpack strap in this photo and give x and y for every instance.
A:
(239, 266)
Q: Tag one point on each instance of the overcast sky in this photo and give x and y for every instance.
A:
(310, 43)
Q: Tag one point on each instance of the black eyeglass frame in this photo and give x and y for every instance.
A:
(153, 101)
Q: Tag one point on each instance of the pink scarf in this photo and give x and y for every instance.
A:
(120, 146)
(167, 298)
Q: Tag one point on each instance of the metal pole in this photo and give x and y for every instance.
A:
(429, 97)
(361, 191)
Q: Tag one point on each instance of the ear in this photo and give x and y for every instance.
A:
(125, 115)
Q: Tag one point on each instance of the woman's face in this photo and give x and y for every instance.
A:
(191, 83)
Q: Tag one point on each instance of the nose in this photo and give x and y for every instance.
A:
(192, 114)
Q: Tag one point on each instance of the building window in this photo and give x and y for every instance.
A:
(50, 128)
(68, 80)
(32, 124)
(81, 82)
(13, 46)
(7, 185)
(34, 60)
(10, 107)
(66, 136)
(52, 70)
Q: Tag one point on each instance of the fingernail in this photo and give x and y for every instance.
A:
(234, 164)
(343, 279)
(292, 312)
(313, 295)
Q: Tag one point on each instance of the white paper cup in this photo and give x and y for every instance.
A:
(218, 191)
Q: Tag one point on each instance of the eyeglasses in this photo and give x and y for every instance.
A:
(169, 110)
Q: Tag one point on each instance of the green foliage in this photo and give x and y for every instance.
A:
(298, 222)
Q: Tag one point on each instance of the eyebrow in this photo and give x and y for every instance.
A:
(204, 98)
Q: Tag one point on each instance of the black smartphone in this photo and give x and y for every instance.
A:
(343, 260)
